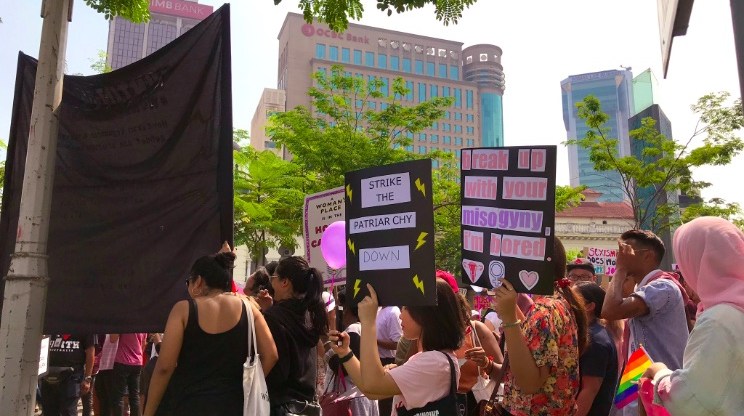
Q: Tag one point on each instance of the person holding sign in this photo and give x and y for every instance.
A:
(427, 382)
(543, 349)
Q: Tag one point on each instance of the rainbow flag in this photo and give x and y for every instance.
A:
(627, 391)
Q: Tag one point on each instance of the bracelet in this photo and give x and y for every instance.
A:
(346, 357)
(517, 323)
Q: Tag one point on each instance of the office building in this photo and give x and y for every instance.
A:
(129, 42)
(614, 90)
(431, 67)
(272, 101)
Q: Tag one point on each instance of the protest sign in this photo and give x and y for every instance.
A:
(603, 259)
(390, 233)
(508, 217)
(320, 211)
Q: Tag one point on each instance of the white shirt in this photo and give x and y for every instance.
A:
(388, 329)
(711, 381)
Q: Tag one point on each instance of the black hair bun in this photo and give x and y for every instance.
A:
(225, 259)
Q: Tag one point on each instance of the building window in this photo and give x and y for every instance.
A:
(345, 55)
(435, 138)
(470, 130)
(409, 93)
(470, 118)
(369, 59)
(372, 105)
(447, 140)
(458, 141)
(434, 163)
(419, 67)
(409, 148)
(382, 61)
(407, 65)
(445, 91)
(458, 116)
(454, 72)
(333, 53)
(447, 115)
(458, 98)
(421, 92)
(435, 125)
(458, 128)
(357, 57)
(422, 137)
(383, 106)
(442, 70)
(445, 127)
(394, 63)
(469, 99)
(422, 150)
(434, 91)
(385, 86)
(484, 57)
(470, 142)
(430, 69)
(320, 50)
(268, 144)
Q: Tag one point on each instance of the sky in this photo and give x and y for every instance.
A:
(543, 43)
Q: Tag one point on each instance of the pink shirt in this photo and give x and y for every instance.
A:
(424, 378)
(130, 351)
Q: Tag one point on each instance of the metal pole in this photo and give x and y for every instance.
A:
(737, 18)
(26, 284)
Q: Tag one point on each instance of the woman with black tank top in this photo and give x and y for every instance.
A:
(200, 367)
(427, 382)
(297, 319)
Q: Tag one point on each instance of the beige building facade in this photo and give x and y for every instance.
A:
(272, 101)
(593, 223)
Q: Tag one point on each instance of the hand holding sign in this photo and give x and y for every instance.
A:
(333, 246)
(368, 307)
(505, 299)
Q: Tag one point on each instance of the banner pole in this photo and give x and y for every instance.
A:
(26, 284)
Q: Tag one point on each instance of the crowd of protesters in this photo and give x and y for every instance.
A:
(561, 354)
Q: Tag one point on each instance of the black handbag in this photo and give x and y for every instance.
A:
(447, 405)
(301, 408)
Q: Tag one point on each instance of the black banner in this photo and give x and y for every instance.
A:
(508, 217)
(143, 182)
(390, 234)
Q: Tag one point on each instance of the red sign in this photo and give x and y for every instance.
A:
(310, 30)
(181, 8)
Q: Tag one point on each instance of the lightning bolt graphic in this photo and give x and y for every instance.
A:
(421, 187)
(356, 287)
(421, 240)
(418, 283)
(351, 246)
(348, 191)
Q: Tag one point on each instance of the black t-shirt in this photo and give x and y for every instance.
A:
(600, 360)
(68, 350)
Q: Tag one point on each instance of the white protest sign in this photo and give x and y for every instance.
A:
(44, 356)
(603, 259)
(320, 211)
(386, 190)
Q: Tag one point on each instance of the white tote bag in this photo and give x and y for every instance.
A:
(255, 392)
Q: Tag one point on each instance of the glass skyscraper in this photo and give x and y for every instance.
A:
(614, 89)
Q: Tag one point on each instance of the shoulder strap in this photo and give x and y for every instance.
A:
(504, 369)
(251, 331)
(476, 339)
(453, 380)
(193, 313)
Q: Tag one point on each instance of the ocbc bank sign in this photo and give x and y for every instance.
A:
(310, 30)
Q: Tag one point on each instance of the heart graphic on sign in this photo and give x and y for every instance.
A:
(529, 279)
(66, 337)
(474, 269)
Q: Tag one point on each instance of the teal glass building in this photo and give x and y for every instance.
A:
(614, 89)
(482, 65)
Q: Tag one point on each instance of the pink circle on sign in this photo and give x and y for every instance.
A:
(308, 30)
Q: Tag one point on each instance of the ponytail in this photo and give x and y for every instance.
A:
(575, 301)
(307, 283)
(578, 308)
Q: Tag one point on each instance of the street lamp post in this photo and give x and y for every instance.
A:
(26, 284)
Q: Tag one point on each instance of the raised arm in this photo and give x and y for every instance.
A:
(616, 306)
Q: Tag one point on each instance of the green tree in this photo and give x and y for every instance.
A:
(337, 13)
(136, 11)
(100, 65)
(665, 165)
(268, 200)
(715, 207)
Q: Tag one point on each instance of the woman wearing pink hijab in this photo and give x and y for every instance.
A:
(709, 251)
